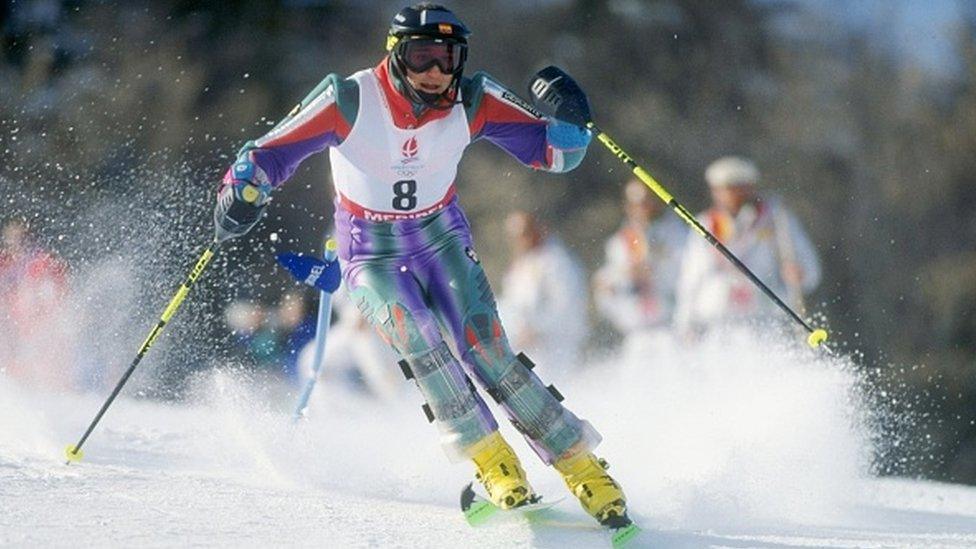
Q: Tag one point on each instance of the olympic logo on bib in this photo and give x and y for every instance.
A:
(410, 149)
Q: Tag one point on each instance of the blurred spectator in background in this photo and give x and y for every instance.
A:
(763, 233)
(273, 337)
(354, 353)
(543, 298)
(36, 343)
(635, 287)
(293, 324)
(249, 321)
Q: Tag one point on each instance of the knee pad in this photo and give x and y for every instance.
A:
(485, 347)
(395, 323)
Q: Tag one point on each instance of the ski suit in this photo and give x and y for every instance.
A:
(406, 248)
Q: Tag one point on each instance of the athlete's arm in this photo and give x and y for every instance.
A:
(497, 114)
(323, 119)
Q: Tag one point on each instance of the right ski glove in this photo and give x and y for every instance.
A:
(241, 199)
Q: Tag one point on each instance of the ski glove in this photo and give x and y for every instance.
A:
(241, 199)
(567, 137)
(317, 273)
(558, 96)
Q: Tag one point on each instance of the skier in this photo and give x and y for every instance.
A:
(762, 232)
(634, 289)
(396, 133)
(544, 281)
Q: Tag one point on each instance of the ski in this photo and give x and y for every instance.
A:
(479, 511)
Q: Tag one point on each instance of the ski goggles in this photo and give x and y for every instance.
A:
(421, 55)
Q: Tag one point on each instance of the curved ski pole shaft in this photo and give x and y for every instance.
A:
(815, 338)
(321, 332)
(73, 452)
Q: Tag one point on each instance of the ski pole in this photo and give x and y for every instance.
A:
(560, 97)
(73, 451)
(816, 336)
(321, 331)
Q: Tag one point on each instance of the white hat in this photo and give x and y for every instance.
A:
(731, 171)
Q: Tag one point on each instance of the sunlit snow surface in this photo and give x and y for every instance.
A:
(744, 444)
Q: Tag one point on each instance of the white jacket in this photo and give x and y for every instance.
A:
(712, 291)
(648, 302)
(544, 294)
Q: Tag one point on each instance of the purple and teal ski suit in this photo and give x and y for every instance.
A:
(406, 247)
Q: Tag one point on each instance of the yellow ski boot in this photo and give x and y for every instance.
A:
(598, 493)
(499, 471)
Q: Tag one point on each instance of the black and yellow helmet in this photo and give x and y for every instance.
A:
(421, 36)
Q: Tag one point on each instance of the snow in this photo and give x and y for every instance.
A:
(744, 444)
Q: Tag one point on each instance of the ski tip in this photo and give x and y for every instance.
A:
(817, 337)
(467, 497)
(623, 536)
(73, 454)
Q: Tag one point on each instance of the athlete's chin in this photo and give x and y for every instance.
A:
(430, 88)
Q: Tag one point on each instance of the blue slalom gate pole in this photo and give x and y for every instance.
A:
(321, 332)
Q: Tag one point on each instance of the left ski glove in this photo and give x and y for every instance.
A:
(241, 199)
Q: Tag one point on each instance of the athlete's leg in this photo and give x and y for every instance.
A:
(463, 301)
(390, 299)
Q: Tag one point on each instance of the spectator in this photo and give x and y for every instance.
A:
(294, 327)
(635, 287)
(249, 321)
(760, 231)
(35, 339)
(542, 301)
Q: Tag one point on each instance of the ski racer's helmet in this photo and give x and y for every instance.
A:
(421, 36)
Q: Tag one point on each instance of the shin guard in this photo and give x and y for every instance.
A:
(536, 411)
(461, 415)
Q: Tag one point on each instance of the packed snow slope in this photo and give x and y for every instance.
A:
(745, 444)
